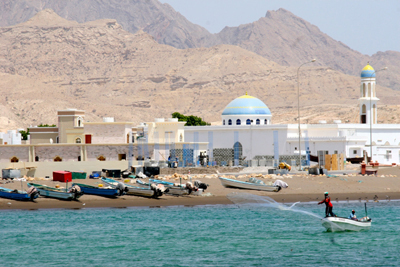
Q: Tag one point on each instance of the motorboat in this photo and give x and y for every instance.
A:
(177, 190)
(101, 191)
(336, 224)
(153, 191)
(30, 194)
(72, 193)
(252, 184)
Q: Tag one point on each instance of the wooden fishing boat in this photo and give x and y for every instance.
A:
(73, 193)
(101, 191)
(142, 191)
(248, 185)
(334, 224)
(172, 188)
(31, 194)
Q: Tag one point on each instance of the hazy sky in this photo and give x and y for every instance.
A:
(367, 26)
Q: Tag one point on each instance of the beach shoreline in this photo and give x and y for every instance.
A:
(303, 188)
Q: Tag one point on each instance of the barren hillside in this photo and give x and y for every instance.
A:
(49, 63)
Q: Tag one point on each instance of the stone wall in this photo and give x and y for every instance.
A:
(66, 153)
(7, 152)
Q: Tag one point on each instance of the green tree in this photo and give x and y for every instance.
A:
(24, 134)
(190, 120)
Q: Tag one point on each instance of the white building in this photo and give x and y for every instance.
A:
(248, 132)
(11, 137)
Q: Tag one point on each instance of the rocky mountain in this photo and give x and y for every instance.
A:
(159, 20)
(280, 36)
(289, 40)
(49, 63)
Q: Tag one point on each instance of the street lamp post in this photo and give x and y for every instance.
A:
(370, 114)
(298, 106)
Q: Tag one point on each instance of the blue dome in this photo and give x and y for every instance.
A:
(368, 72)
(246, 105)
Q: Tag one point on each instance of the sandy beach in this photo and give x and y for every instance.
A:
(304, 188)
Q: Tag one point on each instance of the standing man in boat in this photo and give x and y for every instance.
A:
(329, 206)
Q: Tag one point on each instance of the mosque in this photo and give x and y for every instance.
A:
(247, 132)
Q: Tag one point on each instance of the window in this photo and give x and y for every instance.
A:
(335, 152)
(79, 158)
(258, 121)
(369, 90)
(265, 121)
(248, 122)
(238, 122)
(364, 109)
(78, 140)
(355, 152)
(79, 122)
(181, 138)
(57, 159)
(121, 157)
(37, 158)
(230, 122)
(223, 122)
(101, 158)
(363, 93)
(14, 159)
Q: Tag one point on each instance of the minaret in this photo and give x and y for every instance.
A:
(368, 100)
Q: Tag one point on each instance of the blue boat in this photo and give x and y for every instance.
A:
(100, 191)
(19, 194)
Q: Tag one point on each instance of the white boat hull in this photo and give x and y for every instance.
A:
(137, 191)
(177, 191)
(54, 194)
(335, 224)
(246, 185)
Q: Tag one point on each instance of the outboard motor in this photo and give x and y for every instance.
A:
(201, 185)
(75, 190)
(32, 192)
(121, 189)
(190, 187)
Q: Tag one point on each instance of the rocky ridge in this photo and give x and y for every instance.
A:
(101, 68)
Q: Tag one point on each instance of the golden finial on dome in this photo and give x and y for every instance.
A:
(246, 92)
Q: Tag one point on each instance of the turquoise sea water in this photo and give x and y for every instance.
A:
(197, 236)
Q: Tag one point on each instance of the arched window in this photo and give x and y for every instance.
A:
(78, 140)
(265, 121)
(181, 138)
(364, 109)
(223, 122)
(14, 159)
(101, 158)
(248, 122)
(230, 122)
(37, 158)
(237, 151)
(258, 121)
(363, 90)
(238, 122)
(369, 90)
(79, 122)
(127, 138)
(57, 159)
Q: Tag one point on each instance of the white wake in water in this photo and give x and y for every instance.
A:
(249, 200)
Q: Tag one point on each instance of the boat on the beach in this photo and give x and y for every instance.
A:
(30, 194)
(173, 189)
(252, 184)
(335, 224)
(72, 193)
(101, 191)
(154, 191)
